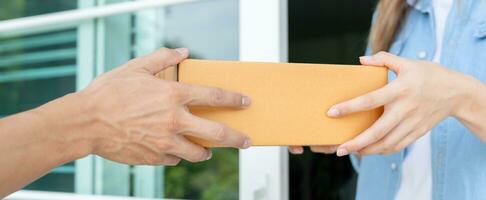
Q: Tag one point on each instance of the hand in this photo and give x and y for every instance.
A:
(423, 94)
(136, 118)
(326, 149)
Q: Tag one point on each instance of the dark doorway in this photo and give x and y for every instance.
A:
(326, 32)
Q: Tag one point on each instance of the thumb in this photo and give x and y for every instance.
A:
(161, 59)
(383, 59)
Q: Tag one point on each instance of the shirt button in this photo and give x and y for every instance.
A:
(393, 166)
(422, 54)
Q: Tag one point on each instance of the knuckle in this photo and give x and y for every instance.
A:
(198, 155)
(173, 93)
(377, 135)
(173, 123)
(404, 90)
(173, 161)
(220, 133)
(412, 108)
(368, 102)
(157, 57)
(217, 96)
(382, 54)
(176, 161)
(353, 148)
(163, 52)
(237, 100)
(163, 146)
(151, 159)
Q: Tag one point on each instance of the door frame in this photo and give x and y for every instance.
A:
(264, 171)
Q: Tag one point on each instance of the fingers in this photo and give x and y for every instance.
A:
(216, 97)
(366, 102)
(328, 149)
(378, 130)
(215, 132)
(189, 151)
(296, 149)
(170, 160)
(384, 59)
(389, 143)
(160, 60)
(412, 137)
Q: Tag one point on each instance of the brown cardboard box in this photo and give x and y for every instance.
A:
(289, 101)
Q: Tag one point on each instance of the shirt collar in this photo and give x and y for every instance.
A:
(421, 5)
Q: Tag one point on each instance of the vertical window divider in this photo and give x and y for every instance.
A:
(104, 45)
(85, 167)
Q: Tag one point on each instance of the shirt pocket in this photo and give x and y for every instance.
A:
(480, 31)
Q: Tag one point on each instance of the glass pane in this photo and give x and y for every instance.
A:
(210, 30)
(35, 69)
(25, 8)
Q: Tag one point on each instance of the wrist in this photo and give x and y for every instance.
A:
(65, 122)
(471, 92)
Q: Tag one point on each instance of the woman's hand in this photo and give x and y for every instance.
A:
(133, 117)
(423, 94)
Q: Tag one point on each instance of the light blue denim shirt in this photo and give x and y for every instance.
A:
(458, 156)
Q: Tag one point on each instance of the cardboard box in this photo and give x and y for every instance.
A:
(289, 101)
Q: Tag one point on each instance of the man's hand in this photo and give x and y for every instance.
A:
(140, 119)
(126, 115)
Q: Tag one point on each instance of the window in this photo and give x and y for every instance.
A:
(36, 68)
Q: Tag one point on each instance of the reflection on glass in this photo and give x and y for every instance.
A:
(210, 30)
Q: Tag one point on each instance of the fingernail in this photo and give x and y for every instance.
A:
(182, 51)
(342, 152)
(333, 112)
(245, 101)
(299, 151)
(365, 58)
(247, 144)
(210, 155)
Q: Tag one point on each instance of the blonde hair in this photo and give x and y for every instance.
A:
(389, 19)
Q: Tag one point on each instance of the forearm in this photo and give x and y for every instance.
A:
(472, 109)
(33, 142)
